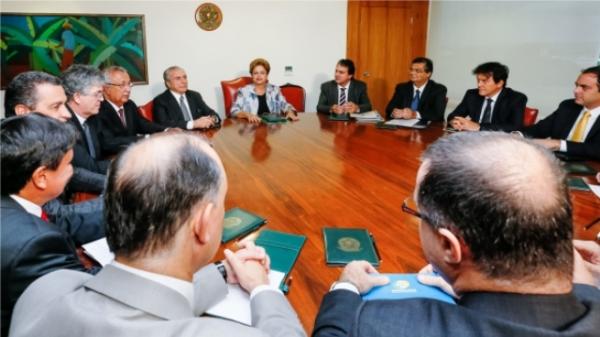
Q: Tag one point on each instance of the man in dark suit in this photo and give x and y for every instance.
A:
(502, 242)
(492, 106)
(83, 85)
(421, 97)
(162, 280)
(120, 121)
(574, 128)
(180, 107)
(344, 94)
(36, 153)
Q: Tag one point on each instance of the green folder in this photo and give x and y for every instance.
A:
(577, 184)
(339, 118)
(579, 168)
(343, 245)
(239, 222)
(382, 125)
(273, 118)
(283, 249)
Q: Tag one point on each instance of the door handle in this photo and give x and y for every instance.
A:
(366, 74)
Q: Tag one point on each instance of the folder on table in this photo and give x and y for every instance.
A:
(577, 184)
(343, 245)
(273, 118)
(579, 168)
(405, 286)
(282, 248)
(339, 118)
(239, 222)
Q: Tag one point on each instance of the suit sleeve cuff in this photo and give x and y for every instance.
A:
(419, 115)
(344, 286)
(189, 125)
(563, 146)
(263, 288)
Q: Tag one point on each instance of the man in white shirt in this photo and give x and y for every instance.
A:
(574, 128)
(164, 221)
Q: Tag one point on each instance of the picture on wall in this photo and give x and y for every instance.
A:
(52, 42)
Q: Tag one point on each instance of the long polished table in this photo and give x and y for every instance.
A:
(314, 173)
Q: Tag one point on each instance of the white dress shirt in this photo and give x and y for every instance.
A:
(494, 99)
(421, 89)
(29, 206)
(594, 116)
(190, 124)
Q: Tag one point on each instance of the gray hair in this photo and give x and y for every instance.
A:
(506, 197)
(167, 72)
(78, 78)
(109, 70)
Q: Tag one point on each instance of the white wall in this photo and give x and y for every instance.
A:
(544, 43)
(308, 35)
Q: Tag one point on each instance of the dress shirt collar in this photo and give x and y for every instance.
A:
(495, 97)
(29, 206)
(115, 107)
(421, 88)
(347, 86)
(178, 95)
(186, 289)
(79, 118)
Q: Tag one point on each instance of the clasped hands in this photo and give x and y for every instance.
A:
(290, 115)
(406, 113)
(348, 107)
(464, 124)
(248, 267)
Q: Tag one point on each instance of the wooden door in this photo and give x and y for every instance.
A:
(383, 37)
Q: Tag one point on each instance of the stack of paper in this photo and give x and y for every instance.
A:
(99, 251)
(367, 117)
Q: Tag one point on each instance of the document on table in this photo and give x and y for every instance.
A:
(236, 305)
(99, 251)
(369, 115)
(595, 189)
(403, 122)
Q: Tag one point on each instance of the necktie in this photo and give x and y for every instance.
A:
(580, 127)
(44, 216)
(121, 113)
(487, 112)
(186, 112)
(343, 96)
(88, 140)
(414, 105)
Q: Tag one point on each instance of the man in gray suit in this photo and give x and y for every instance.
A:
(344, 94)
(164, 220)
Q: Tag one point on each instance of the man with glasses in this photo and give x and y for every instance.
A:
(492, 106)
(421, 97)
(83, 85)
(503, 243)
(120, 121)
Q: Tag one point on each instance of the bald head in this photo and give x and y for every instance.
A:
(505, 196)
(149, 197)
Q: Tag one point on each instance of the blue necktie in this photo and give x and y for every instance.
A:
(487, 112)
(414, 105)
(88, 139)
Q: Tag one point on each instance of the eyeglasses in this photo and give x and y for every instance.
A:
(122, 85)
(409, 206)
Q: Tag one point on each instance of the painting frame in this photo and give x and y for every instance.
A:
(50, 42)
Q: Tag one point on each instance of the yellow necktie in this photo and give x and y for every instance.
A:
(580, 127)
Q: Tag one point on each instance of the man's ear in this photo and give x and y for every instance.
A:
(202, 222)
(21, 109)
(39, 178)
(76, 97)
(450, 246)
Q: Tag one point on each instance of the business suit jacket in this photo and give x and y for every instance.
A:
(558, 126)
(343, 313)
(432, 102)
(507, 114)
(115, 137)
(118, 303)
(167, 111)
(31, 248)
(357, 93)
(81, 154)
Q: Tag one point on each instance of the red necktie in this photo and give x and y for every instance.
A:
(44, 216)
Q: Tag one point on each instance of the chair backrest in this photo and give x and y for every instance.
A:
(530, 116)
(230, 89)
(146, 111)
(295, 95)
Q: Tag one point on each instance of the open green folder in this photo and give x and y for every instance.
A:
(579, 168)
(283, 249)
(577, 184)
(239, 222)
(339, 118)
(343, 245)
(273, 118)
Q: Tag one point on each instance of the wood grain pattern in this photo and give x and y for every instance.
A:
(314, 173)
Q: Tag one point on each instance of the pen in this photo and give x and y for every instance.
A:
(590, 225)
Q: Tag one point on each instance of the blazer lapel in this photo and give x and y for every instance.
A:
(500, 102)
(594, 130)
(140, 293)
(193, 106)
(174, 107)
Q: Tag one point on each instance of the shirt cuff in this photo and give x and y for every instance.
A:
(262, 288)
(345, 286)
(419, 115)
(189, 125)
(563, 146)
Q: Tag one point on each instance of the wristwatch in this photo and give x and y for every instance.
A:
(221, 268)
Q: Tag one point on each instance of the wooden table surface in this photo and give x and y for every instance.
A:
(314, 173)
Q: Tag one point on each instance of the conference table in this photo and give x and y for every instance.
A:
(314, 173)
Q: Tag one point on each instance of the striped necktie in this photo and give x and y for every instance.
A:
(578, 134)
(342, 96)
